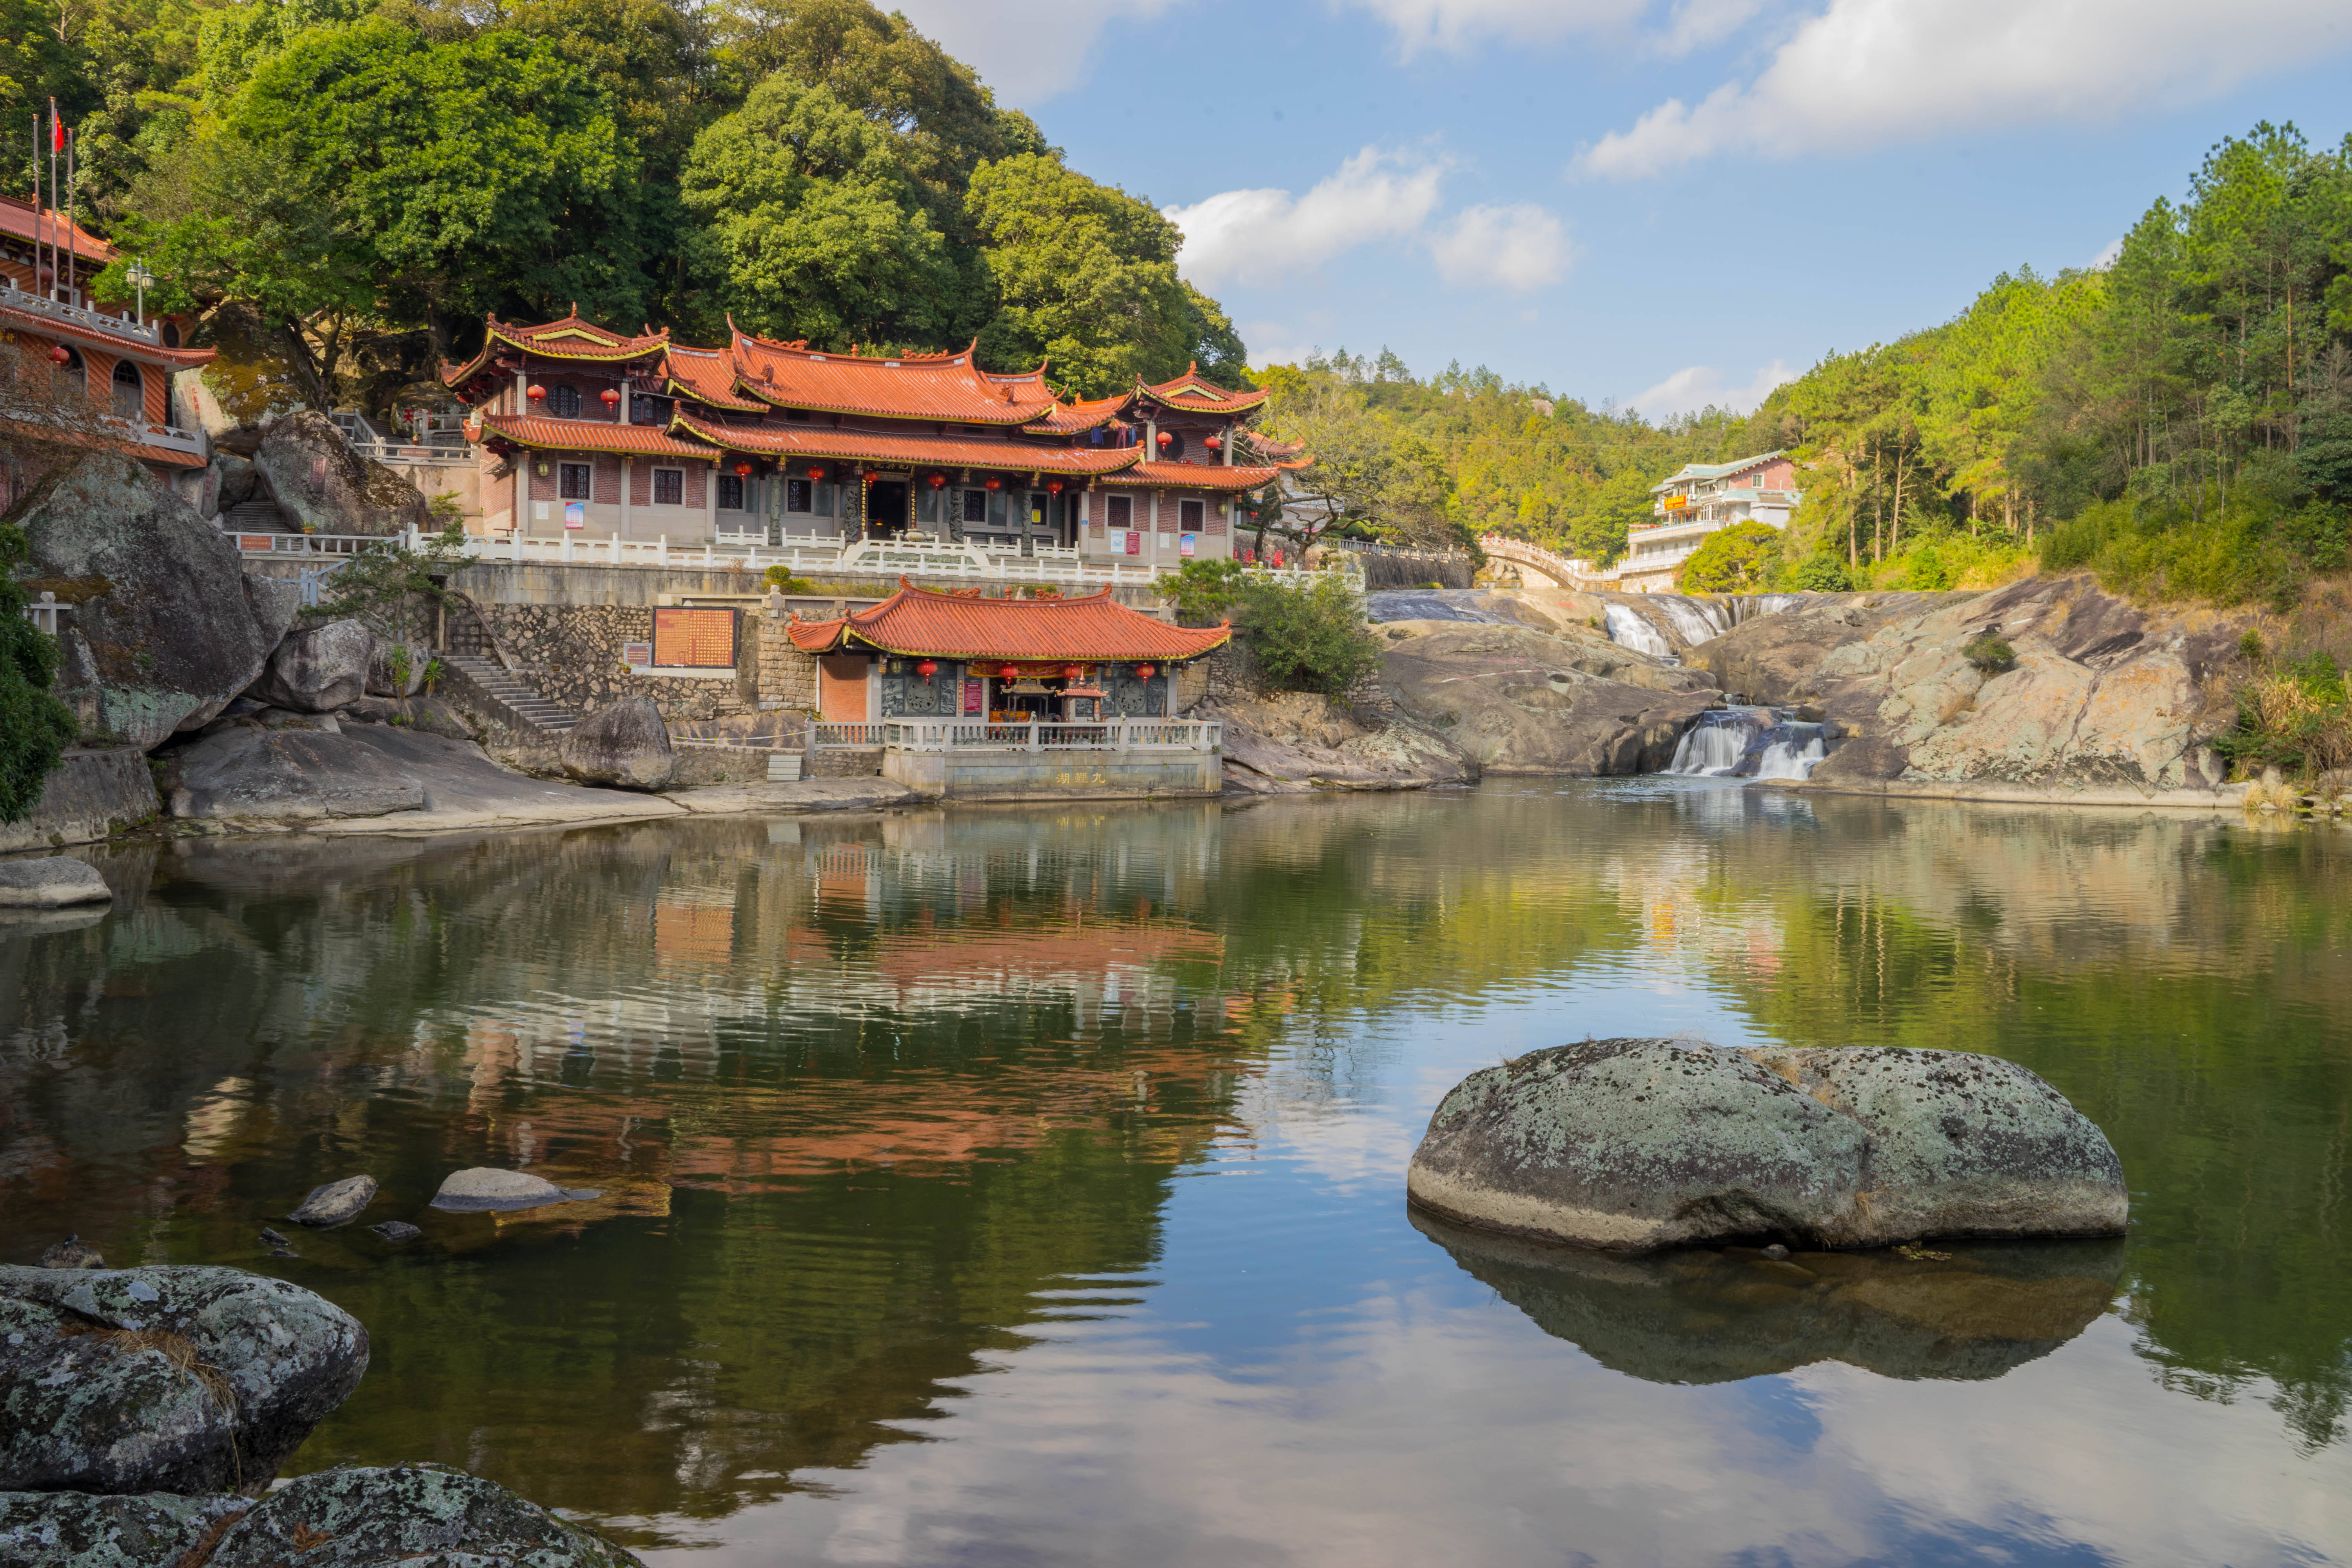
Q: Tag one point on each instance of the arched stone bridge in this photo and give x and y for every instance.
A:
(1535, 558)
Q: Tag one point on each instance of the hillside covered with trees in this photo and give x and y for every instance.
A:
(346, 187)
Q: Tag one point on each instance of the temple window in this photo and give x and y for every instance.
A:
(563, 401)
(1188, 516)
(800, 495)
(975, 506)
(573, 479)
(1122, 512)
(669, 486)
(129, 392)
(731, 492)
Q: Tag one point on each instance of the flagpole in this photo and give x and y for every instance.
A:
(73, 234)
(54, 140)
(37, 201)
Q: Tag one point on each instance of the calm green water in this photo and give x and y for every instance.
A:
(1028, 1189)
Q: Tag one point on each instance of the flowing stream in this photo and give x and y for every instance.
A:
(1027, 1188)
(1748, 743)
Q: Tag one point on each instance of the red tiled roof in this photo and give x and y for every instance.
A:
(916, 451)
(99, 440)
(1189, 391)
(41, 326)
(950, 388)
(569, 338)
(17, 219)
(541, 434)
(707, 375)
(1193, 476)
(919, 623)
(1072, 418)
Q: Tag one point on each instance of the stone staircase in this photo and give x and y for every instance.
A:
(512, 693)
(784, 768)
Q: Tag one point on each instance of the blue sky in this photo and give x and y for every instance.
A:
(1659, 202)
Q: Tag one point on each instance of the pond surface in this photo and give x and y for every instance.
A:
(992, 1188)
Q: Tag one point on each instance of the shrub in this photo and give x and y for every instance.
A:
(1822, 574)
(1740, 559)
(2251, 648)
(2255, 549)
(2292, 715)
(781, 578)
(1308, 638)
(1203, 591)
(34, 725)
(1989, 652)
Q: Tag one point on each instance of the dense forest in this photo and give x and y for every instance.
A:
(344, 186)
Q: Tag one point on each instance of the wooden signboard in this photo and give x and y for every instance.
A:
(694, 639)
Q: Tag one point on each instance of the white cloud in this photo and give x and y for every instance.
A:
(1456, 25)
(1698, 23)
(1269, 235)
(1518, 247)
(1027, 50)
(2107, 258)
(1700, 386)
(1865, 72)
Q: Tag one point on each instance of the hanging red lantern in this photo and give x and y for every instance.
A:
(1053, 486)
(816, 470)
(1165, 437)
(742, 470)
(1073, 672)
(1214, 445)
(928, 668)
(938, 480)
(60, 354)
(536, 393)
(612, 397)
(996, 484)
(1145, 671)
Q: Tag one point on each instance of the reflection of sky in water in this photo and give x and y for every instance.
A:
(779, 1043)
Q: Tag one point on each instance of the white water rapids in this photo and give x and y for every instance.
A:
(1755, 743)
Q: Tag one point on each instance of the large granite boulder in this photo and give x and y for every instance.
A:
(1971, 1314)
(324, 487)
(1639, 1144)
(163, 1379)
(86, 797)
(319, 669)
(166, 628)
(397, 668)
(1516, 699)
(1292, 742)
(76, 1529)
(356, 1517)
(248, 770)
(626, 745)
(51, 882)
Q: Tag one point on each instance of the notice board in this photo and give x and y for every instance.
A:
(694, 639)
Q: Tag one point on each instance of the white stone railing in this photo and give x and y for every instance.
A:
(829, 735)
(1108, 735)
(414, 452)
(311, 543)
(16, 299)
(1567, 571)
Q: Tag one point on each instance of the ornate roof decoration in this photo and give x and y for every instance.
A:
(1190, 391)
(1089, 628)
(569, 338)
(950, 388)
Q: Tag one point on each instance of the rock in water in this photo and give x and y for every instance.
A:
(71, 1254)
(396, 1230)
(318, 670)
(626, 744)
(166, 627)
(71, 1530)
(164, 1379)
(486, 1187)
(283, 773)
(357, 1518)
(1637, 1144)
(337, 1203)
(51, 881)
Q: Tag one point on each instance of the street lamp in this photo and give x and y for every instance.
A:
(139, 278)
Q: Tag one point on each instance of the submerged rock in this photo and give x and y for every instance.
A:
(74, 1529)
(337, 1203)
(49, 882)
(163, 1379)
(1707, 1316)
(487, 1187)
(360, 1518)
(1639, 1144)
(626, 745)
(396, 1230)
(71, 1253)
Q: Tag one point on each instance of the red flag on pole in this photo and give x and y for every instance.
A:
(57, 129)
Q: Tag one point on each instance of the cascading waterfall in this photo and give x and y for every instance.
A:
(1630, 630)
(1694, 620)
(1748, 743)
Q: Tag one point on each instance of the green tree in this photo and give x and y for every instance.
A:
(1740, 559)
(1309, 636)
(34, 725)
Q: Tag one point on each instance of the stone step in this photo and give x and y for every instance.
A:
(784, 767)
(525, 702)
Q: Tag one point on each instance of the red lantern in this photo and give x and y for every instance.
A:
(1073, 672)
(938, 480)
(60, 354)
(816, 470)
(928, 668)
(742, 470)
(1165, 437)
(1145, 671)
(1214, 445)
(1053, 486)
(612, 397)
(536, 393)
(996, 484)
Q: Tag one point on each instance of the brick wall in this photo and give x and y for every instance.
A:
(787, 676)
(607, 487)
(571, 653)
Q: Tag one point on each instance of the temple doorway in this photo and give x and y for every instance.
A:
(886, 509)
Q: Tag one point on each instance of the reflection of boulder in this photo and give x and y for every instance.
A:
(1715, 1317)
(165, 626)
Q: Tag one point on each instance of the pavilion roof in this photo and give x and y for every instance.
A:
(59, 329)
(707, 375)
(543, 434)
(1092, 628)
(1191, 476)
(569, 338)
(1071, 418)
(820, 441)
(950, 387)
(1189, 391)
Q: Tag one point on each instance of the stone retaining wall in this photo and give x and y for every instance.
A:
(572, 654)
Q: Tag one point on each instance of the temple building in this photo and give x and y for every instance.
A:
(111, 365)
(582, 427)
(1695, 503)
